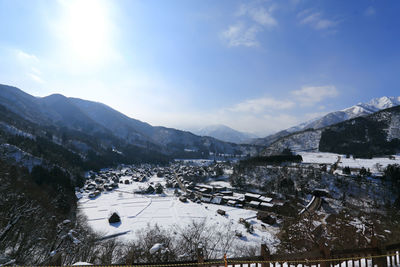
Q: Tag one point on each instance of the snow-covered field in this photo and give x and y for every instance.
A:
(376, 165)
(138, 211)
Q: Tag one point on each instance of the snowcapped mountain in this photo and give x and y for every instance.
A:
(359, 110)
(364, 136)
(225, 133)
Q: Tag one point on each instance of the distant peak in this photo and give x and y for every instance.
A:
(55, 96)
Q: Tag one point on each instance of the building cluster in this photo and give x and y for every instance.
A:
(190, 183)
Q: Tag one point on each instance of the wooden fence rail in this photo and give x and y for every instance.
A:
(378, 255)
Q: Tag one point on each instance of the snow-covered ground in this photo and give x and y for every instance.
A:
(137, 211)
(376, 165)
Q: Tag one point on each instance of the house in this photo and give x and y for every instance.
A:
(226, 193)
(150, 190)
(216, 200)
(206, 199)
(90, 186)
(205, 189)
(266, 206)
(254, 204)
(231, 203)
(265, 199)
(266, 218)
(250, 197)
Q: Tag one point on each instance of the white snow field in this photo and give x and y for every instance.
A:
(137, 211)
(330, 158)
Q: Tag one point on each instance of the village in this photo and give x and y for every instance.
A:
(119, 202)
(205, 184)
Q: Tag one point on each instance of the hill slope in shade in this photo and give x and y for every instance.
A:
(93, 118)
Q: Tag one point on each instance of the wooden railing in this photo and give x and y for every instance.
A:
(378, 255)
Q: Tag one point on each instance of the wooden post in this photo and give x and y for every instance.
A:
(326, 254)
(55, 260)
(265, 254)
(200, 256)
(381, 262)
(225, 260)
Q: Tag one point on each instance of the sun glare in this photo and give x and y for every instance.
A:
(86, 30)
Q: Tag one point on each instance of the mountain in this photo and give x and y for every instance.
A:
(359, 110)
(365, 136)
(225, 133)
(91, 130)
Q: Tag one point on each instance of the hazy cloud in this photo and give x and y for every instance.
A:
(28, 64)
(309, 95)
(240, 35)
(25, 57)
(316, 20)
(259, 105)
(35, 77)
(252, 20)
(258, 14)
(370, 11)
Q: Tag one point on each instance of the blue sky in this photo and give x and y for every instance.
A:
(256, 66)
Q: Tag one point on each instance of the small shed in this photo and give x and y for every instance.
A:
(221, 212)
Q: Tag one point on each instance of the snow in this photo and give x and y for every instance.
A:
(376, 165)
(138, 211)
(221, 183)
(8, 151)
(156, 248)
(302, 141)
(81, 263)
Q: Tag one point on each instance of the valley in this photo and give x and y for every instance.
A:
(153, 192)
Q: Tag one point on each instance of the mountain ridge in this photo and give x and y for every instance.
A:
(94, 118)
(365, 136)
(224, 133)
(358, 110)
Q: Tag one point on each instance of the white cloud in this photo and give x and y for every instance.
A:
(35, 77)
(28, 63)
(258, 14)
(370, 11)
(259, 105)
(25, 57)
(240, 35)
(309, 95)
(316, 20)
(253, 20)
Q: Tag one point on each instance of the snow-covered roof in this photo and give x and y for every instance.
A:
(252, 195)
(216, 200)
(254, 203)
(265, 199)
(269, 205)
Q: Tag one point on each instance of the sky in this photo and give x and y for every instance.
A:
(256, 66)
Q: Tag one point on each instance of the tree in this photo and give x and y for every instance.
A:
(346, 170)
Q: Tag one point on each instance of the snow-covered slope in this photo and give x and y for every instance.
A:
(225, 133)
(375, 134)
(302, 141)
(359, 110)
